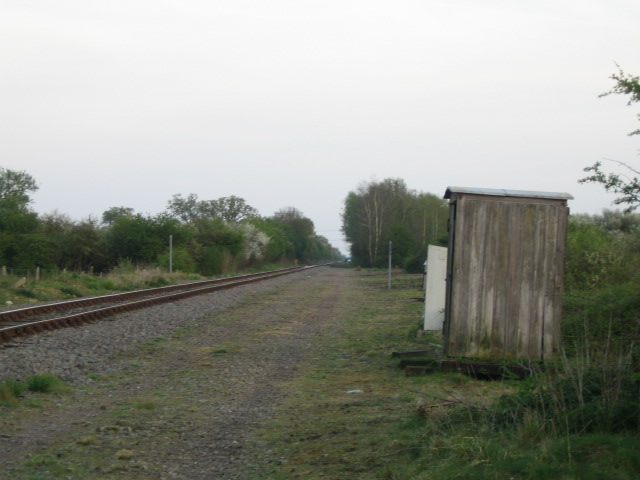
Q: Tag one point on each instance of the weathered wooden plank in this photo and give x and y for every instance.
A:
(500, 277)
(420, 362)
(533, 226)
(490, 337)
(531, 338)
(455, 332)
(477, 221)
(487, 370)
(413, 353)
(553, 304)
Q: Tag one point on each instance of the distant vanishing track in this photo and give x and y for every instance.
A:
(35, 319)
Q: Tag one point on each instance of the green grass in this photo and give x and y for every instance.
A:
(444, 426)
(342, 419)
(75, 285)
(154, 342)
(483, 455)
(13, 392)
(125, 277)
(145, 404)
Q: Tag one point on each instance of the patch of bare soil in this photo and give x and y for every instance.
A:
(186, 407)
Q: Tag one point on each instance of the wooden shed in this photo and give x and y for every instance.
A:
(505, 273)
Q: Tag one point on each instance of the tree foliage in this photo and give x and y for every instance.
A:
(230, 209)
(207, 236)
(279, 247)
(141, 238)
(16, 185)
(377, 213)
(300, 231)
(184, 209)
(215, 246)
(626, 85)
(627, 187)
(112, 214)
(20, 247)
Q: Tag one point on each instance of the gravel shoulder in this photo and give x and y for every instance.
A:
(172, 392)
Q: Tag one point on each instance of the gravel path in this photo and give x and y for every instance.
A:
(179, 409)
(73, 352)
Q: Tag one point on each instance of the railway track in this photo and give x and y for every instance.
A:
(35, 319)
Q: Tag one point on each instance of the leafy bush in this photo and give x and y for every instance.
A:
(598, 256)
(182, 261)
(590, 256)
(605, 320)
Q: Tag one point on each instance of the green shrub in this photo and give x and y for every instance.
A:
(182, 261)
(414, 263)
(26, 292)
(125, 266)
(158, 281)
(71, 291)
(43, 383)
(7, 281)
(92, 283)
(11, 390)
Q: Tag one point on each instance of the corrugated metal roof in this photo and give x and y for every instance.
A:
(497, 192)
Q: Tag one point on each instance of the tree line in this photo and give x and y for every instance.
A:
(208, 237)
(379, 212)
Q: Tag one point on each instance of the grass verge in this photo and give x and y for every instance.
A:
(66, 285)
(354, 414)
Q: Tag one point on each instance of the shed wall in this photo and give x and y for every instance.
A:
(506, 274)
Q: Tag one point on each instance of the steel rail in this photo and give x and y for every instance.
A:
(155, 296)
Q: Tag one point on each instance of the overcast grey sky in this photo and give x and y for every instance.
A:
(295, 102)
